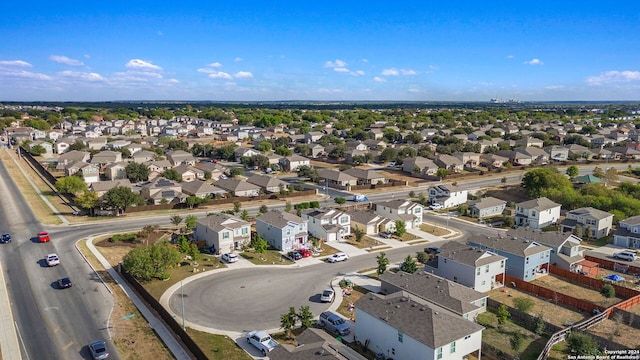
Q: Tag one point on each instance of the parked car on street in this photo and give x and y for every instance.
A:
(327, 295)
(435, 207)
(432, 250)
(262, 341)
(625, 255)
(5, 239)
(43, 236)
(333, 323)
(338, 257)
(99, 350)
(229, 258)
(64, 283)
(53, 260)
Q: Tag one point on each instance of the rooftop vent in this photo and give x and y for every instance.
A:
(397, 306)
(423, 309)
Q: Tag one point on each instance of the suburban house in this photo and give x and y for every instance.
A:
(201, 189)
(47, 146)
(627, 234)
(370, 222)
(101, 187)
(406, 327)
(223, 232)
(419, 165)
(403, 210)
(90, 172)
(469, 159)
(328, 224)
(595, 223)
(526, 258)
(537, 213)
(161, 190)
(447, 195)
(315, 343)
(241, 152)
(282, 230)
(487, 207)
(336, 179)
(293, 162)
(179, 157)
(238, 187)
(366, 177)
(493, 161)
(565, 248)
(436, 290)
(143, 156)
(106, 157)
(268, 183)
(189, 172)
(115, 171)
(481, 270)
(449, 162)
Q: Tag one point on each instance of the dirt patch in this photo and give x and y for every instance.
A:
(553, 313)
(365, 242)
(575, 290)
(514, 194)
(617, 332)
(401, 176)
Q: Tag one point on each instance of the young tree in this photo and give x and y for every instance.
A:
(148, 262)
(287, 206)
(305, 316)
(236, 206)
(71, 185)
(442, 173)
(37, 150)
(582, 344)
(172, 174)
(538, 325)
(516, 340)
(340, 200)
(383, 263)
(176, 220)
(235, 172)
(283, 151)
(401, 228)
(503, 314)
(120, 198)
(87, 200)
(422, 256)
(137, 172)
(573, 171)
(409, 265)
(193, 201)
(260, 245)
(190, 221)
(608, 291)
(263, 209)
(358, 233)
(288, 321)
(244, 215)
(523, 304)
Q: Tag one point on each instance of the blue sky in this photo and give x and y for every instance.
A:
(303, 50)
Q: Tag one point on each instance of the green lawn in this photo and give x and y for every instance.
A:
(269, 257)
(218, 347)
(500, 337)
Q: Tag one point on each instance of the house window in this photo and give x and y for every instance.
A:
(417, 210)
(502, 264)
(344, 219)
(439, 353)
(527, 260)
(478, 272)
(483, 302)
(453, 347)
(542, 256)
(486, 269)
(288, 231)
(245, 231)
(225, 235)
(533, 213)
(400, 335)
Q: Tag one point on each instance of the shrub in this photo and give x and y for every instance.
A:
(124, 237)
(608, 291)
(538, 325)
(422, 256)
(516, 340)
(485, 319)
(523, 304)
(503, 314)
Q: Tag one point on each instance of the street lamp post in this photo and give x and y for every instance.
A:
(182, 297)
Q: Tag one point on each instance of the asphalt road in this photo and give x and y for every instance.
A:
(51, 323)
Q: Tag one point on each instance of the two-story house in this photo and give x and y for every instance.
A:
(537, 213)
(449, 162)
(223, 232)
(487, 207)
(161, 190)
(282, 230)
(419, 165)
(447, 195)
(328, 224)
(406, 327)
(627, 234)
(526, 258)
(565, 248)
(595, 223)
(403, 210)
(293, 162)
(370, 222)
(478, 269)
(179, 157)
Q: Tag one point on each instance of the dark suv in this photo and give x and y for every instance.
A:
(5, 239)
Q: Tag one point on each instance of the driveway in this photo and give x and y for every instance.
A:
(606, 252)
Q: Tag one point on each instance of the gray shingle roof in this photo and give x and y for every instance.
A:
(314, 344)
(235, 185)
(335, 175)
(488, 202)
(419, 321)
(549, 238)
(468, 255)
(363, 216)
(510, 245)
(592, 212)
(199, 187)
(266, 181)
(436, 290)
(280, 219)
(219, 222)
(540, 204)
(364, 174)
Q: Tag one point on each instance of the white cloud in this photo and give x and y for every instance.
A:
(534, 62)
(81, 75)
(238, 59)
(341, 69)
(220, 75)
(365, 60)
(408, 72)
(390, 72)
(554, 87)
(87, 56)
(141, 64)
(379, 79)
(510, 56)
(215, 65)
(15, 63)
(335, 64)
(65, 60)
(614, 76)
(357, 73)
(243, 75)
(173, 81)
(414, 90)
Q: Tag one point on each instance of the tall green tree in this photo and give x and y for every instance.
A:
(573, 171)
(137, 172)
(383, 263)
(409, 265)
(87, 200)
(442, 173)
(172, 174)
(305, 316)
(401, 228)
(288, 321)
(358, 233)
(149, 262)
(580, 343)
(71, 185)
(120, 198)
(190, 221)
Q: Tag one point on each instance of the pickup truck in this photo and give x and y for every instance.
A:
(333, 323)
(262, 341)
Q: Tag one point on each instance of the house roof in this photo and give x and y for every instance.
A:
(322, 213)
(363, 216)
(335, 175)
(280, 219)
(364, 174)
(180, 155)
(468, 255)
(266, 181)
(488, 202)
(427, 325)
(510, 245)
(587, 179)
(108, 185)
(436, 290)
(200, 187)
(632, 221)
(315, 344)
(540, 204)
(219, 222)
(160, 182)
(183, 168)
(398, 204)
(235, 185)
(549, 238)
(590, 212)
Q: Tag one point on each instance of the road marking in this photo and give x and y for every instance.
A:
(67, 346)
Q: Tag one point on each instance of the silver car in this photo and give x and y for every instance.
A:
(99, 350)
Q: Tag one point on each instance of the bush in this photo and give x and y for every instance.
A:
(124, 237)
(422, 257)
(516, 340)
(523, 304)
(485, 319)
(608, 291)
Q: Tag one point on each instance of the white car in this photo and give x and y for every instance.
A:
(229, 257)
(327, 295)
(435, 207)
(338, 257)
(53, 260)
(262, 341)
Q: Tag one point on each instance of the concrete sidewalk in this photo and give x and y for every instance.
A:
(8, 336)
(156, 324)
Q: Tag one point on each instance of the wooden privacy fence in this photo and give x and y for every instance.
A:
(594, 283)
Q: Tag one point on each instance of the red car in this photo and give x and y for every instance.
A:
(304, 252)
(43, 236)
